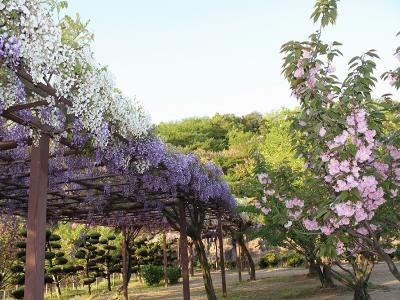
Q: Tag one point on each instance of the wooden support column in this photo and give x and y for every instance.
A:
(238, 260)
(125, 263)
(183, 244)
(221, 255)
(36, 224)
(165, 259)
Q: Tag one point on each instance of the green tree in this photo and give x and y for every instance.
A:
(89, 253)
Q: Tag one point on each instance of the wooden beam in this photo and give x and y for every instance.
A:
(183, 244)
(36, 224)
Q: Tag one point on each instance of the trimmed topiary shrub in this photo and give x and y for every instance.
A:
(174, 273)
(151, 274)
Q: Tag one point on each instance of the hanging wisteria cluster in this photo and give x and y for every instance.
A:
(58, 53)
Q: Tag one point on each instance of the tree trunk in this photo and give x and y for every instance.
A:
(238, 260)
(249, 258)
(361, 291)
(313, 268)
(125, 254)
(201, 253)
(165, 260)
(109, 281)
(327, 278)
(191, 267)
(58, 289)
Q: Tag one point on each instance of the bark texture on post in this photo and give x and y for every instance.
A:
(183, 251)
(125, 253)
(221, 255)
(165, 259)
(36, 224)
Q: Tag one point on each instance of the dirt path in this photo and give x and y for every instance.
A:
(291, 283)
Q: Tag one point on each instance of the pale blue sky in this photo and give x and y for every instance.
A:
(185, 58)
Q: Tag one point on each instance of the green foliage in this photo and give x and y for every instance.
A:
(88, 254)
(151, 274)
(294, 259)
(326, 10)
(269, 260)
(174, 273)
(18, 294)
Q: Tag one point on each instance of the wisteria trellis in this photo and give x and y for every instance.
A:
(104, 159)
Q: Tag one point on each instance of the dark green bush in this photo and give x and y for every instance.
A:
(49, 255)
(230, 265)
(80, 254)
(17, 269)
(21, 245)
(18, 294)
(89, 280)
(94, 235)
(151, 274)
(174, 273)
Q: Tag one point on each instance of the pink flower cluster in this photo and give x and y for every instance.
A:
(311, 225)
(295, 208)
(346, 174)
(266, 181)
(339, 248)
(300, 72)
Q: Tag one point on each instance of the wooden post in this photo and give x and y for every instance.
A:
(238, 260)
(191, 267)
(183, 251)
(221, 255)
(165, 259)
(125, 263)
(36, 224)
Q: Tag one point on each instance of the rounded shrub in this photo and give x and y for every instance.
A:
(111, 237)
(49, 255)
(271, 259)
(21, 244)
(151, 274)
(89, 280)
(17, 269)
(94, 235)
(294, 259)
(18, 294)
(174, 273)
